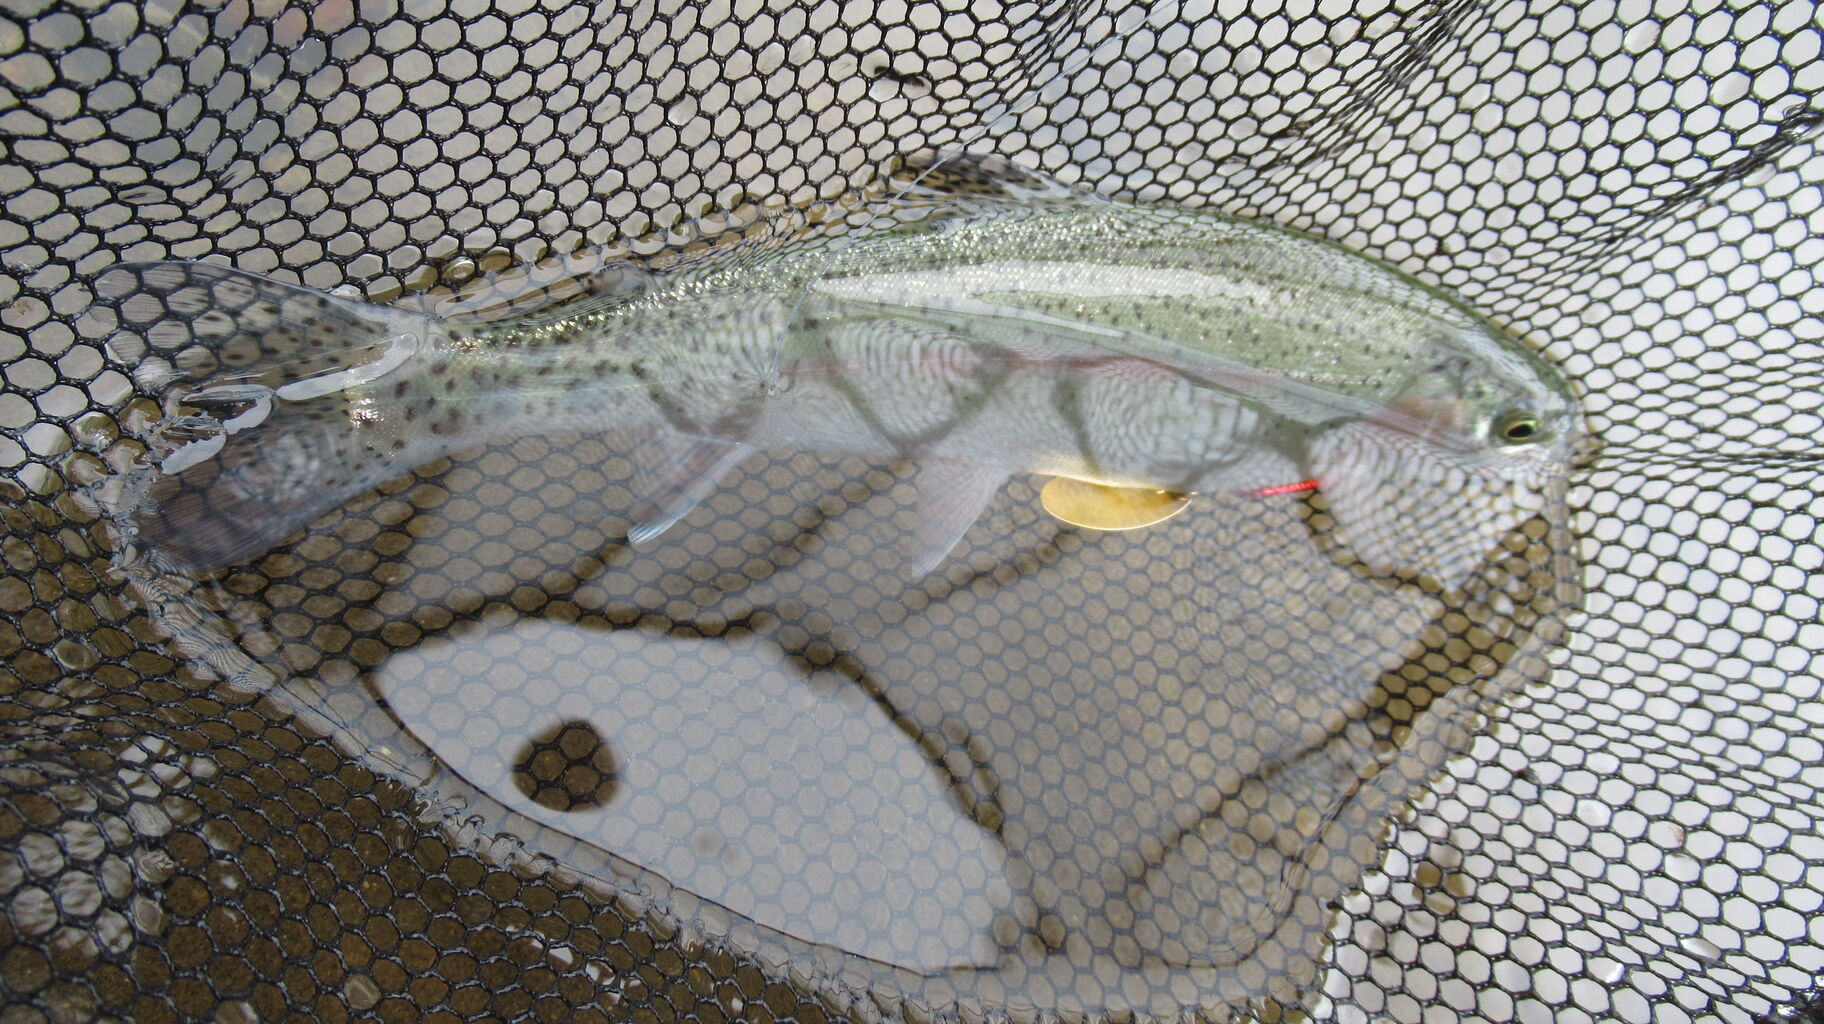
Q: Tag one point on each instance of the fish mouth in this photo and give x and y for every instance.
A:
(1441, 441)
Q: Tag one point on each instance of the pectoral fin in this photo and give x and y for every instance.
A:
(1401, 506)
(1101, 507)
(951, 497)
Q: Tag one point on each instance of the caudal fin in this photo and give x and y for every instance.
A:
(282, 403)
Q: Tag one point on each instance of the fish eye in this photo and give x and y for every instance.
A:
(1517, 428)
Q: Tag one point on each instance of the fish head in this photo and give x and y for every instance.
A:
(1475, 441)
(1482, 396)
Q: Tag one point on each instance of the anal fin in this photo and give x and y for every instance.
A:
(674, 473)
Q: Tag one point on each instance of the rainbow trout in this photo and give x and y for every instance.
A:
(1136, 353)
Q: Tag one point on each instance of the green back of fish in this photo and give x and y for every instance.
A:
(1261, 297)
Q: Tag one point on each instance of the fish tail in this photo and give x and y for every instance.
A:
(283, 403)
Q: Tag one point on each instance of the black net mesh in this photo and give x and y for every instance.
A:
(457, 753)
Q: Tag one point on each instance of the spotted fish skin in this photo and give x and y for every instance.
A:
(1125, 344)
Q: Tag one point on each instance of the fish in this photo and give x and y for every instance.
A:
(1135, 353)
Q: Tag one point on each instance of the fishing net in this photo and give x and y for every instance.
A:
(458, 753)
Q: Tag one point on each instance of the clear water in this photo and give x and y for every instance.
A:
(1062, 761)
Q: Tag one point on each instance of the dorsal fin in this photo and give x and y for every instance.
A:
(986, 175)
(968, 186)
(548, 291)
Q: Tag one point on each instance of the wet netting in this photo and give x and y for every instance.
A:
(458, 752)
